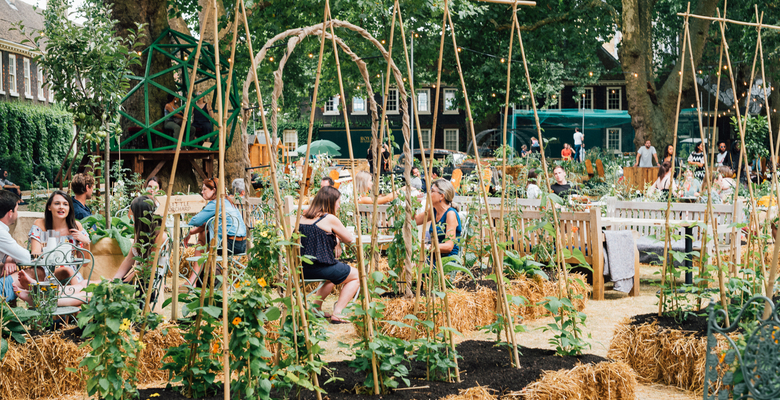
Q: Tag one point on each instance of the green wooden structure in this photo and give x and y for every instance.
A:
(180, 49)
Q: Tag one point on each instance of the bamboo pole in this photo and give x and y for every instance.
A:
(556, 225)
(667, 234)
(770, 282)
(724, 19)
(377, 148)
(363, 279)
(221, 186)
(708, 174)
(448, 314)
(497, 262)
(740, 125)
(159, 240)
(292, 262)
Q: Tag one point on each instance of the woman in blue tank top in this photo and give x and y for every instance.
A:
(448, 227)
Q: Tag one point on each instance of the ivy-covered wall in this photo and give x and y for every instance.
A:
(33, 141)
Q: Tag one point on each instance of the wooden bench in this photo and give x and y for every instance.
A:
(758, 364)
(723, 213)
(580, 231)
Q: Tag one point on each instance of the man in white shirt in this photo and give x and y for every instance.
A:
(10, 251)
(579, 138)
(645, 156)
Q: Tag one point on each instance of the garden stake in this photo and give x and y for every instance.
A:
(292, 263)
(770, 286)
(159, 240)
(741, 126)
(667, 238)
(497, 263)
(201, 301)
(407, 171)
(556, 224)
(407, 227)
(376, 147)
(708, 215)
(366, 295)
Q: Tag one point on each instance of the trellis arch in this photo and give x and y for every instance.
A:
(299, 34)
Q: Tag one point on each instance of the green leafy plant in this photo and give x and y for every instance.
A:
(248, 312)
(121, 230)
(44, 298)
(265, 254)
(195, 362)
(106, 319)
(12, 326)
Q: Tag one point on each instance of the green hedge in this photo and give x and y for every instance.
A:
(33, 141)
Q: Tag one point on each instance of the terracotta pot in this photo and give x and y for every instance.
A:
(108, 258)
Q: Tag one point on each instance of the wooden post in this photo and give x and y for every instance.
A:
(175, 258)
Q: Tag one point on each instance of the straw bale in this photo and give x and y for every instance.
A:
(605, 380)
(472, 309)
(473, 393)
(668, 356)
(157, 344)
(24, 374)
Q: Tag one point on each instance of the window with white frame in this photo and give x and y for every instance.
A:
(2, 88)
(12, 89)
(451, 139)
(614, 139)
(359, 106)
(332, 106)
(51, 94)
(41, 95)
(586, 99)
(423, 101)
(27, 79)
(392, 101)
(450, 105)
(290, 137)
(614, 98)
(426, 138)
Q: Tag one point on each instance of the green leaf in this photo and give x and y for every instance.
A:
(113, 324)
(214, 311)
(3, 348)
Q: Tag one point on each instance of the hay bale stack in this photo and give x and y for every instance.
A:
(605, 380)
(472, 309)
(668, 356)
(473, 393)
(24, 373)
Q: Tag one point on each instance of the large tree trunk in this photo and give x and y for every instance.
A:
(653, 109)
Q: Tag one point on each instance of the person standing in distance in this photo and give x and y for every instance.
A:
(82, 187)
(579, 139)
(723, 158)
(645, 156)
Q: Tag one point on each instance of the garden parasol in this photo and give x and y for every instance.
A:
(321, 147)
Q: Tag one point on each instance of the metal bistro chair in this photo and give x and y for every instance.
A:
(160, 274)
(68, 255)
(234, 258)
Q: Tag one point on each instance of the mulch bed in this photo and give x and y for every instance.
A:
(695, 324)
(483, 364)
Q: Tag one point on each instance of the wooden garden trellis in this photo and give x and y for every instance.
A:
(753, 222)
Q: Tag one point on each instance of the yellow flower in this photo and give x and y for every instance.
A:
(247, 283)
(215, 347)
(237, 285)
(262, 282)
(236, 321)
(154, 395)
(125, 325)
(43, 288)
(263, 234)
(141, 345)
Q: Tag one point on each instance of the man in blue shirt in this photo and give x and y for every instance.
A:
(82, 187)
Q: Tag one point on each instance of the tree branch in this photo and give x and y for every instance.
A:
(569, 15)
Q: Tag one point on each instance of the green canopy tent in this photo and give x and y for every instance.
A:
(607, 129)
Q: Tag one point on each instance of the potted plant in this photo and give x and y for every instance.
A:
(109, 246)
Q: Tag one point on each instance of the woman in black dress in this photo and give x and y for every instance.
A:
(322, 232)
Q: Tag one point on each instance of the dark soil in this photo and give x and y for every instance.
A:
(173, 394)
(471, 285)
(482, 364)
(694, 323)
(69, 333)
